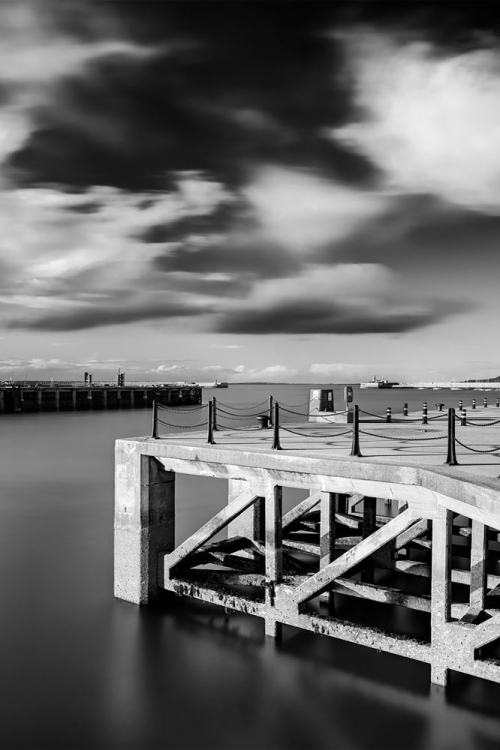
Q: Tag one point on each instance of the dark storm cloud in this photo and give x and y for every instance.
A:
(229, 85)
(100, 315)
(313, 317)
(421, 232)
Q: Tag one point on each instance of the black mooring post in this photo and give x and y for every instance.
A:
(451, 458)
(405, 410)
(210, 438)
(276, 440)
(424, 413)
(463, 417)
(498, 401)
(355, 450)
(271, 410)
(388, 414)
(214, 414)
(154, 434)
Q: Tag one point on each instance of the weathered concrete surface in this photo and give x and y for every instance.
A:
(144, 523)
(341, 540)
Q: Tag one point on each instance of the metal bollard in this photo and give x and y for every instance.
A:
(276, 434)
(498, 402)
(355, 450)
(271, 410)
(463, 417)
(154, 434)
(473, 403)
(214, 414)
(388, 414)
(451, 458)
(210, 437)
(424, 413)
(485, 402)
(405, 410)
(460, 404)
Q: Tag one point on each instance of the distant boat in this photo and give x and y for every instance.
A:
(378, 383)
(219, 384)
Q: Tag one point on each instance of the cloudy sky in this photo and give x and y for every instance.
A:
(249, 191)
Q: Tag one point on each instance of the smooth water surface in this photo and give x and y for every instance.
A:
(80, 669)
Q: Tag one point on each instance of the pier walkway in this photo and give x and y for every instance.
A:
(395, 526)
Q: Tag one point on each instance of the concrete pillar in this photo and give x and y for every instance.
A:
(2, 405)
(369, 525)
(478, 562)
(57, 399)
(327, 529)
(132, 398)
(274, 554)
(73, 398)
(440, 593)
(327, 537)
(144, 524)
(39, 399)
(104, 398)
(250, 523)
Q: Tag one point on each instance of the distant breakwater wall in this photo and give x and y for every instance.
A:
(20, 399)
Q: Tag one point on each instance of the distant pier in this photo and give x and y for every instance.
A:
(52, 397)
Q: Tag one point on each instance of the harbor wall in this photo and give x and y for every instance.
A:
(20, 399)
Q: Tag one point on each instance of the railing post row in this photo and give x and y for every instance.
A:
(355, 449)
(154, 433)
(451, 458)
(276, 434)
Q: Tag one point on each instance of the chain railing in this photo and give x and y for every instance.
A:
(271, 417)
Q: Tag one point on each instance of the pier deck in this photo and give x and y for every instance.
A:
(369, 527)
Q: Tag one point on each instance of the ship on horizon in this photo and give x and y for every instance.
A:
(378, 383)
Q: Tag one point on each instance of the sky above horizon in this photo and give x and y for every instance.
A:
(281, 191)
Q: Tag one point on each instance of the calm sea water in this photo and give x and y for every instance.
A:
(80, 669)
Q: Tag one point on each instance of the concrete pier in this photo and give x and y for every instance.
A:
(43, 398)
(441, 530)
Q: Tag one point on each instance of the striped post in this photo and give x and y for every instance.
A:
(463, 420)
(405, 410)
(271, 410)
(388, 414)
(276, 433)
(355, 449)
(214, 414)
(473, 403)
(451, 458)
(424, 413)
(210, 437)
(485, 402)
(460, 405)
(154, 434)
(498, 402)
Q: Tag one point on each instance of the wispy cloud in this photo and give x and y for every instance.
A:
(343, 299)
(426, 116)
(304, 211)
